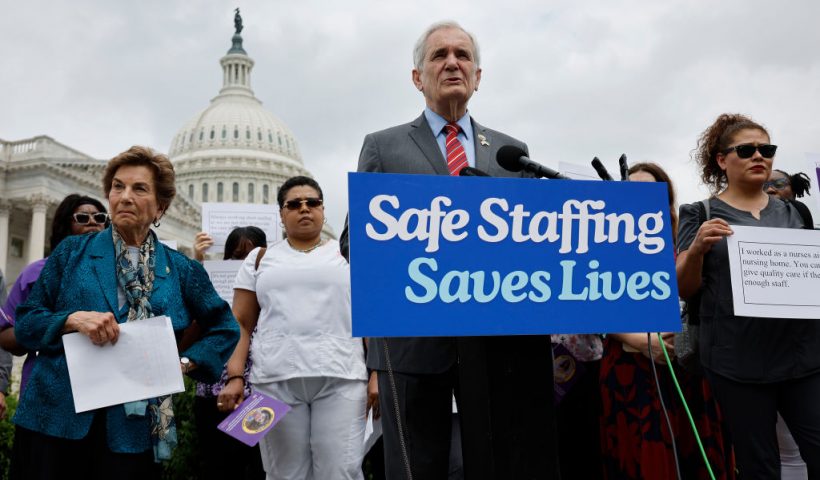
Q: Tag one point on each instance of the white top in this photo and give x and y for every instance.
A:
(304, 327)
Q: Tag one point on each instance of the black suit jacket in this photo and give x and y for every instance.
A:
(412, 148)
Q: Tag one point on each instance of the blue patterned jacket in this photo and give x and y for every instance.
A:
(80, 275)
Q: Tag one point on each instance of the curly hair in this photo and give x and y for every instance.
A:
(63, 216)
(800, 182)
(660, 175)
(714, 140)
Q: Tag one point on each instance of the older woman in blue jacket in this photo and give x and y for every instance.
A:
(91, 284)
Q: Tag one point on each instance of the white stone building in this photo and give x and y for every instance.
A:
(234, 151)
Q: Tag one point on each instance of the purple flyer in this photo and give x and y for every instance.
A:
(253, 418)
(566, 370)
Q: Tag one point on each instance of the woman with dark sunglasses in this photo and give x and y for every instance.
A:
(756, 366)
(76, 215)
(789, 188)
(296, 295)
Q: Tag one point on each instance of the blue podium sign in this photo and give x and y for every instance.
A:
(459, 256)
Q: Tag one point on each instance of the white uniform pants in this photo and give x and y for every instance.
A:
(792, 466)
(322, 437)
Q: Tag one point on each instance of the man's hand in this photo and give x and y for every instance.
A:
(2, 405)
(98, 326)
(373, 395)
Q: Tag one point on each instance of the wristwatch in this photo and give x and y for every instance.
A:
(185, 363)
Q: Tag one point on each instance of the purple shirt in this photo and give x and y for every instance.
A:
(18, 294)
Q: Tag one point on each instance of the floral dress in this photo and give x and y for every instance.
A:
(635, 439)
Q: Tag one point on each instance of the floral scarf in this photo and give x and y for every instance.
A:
(137, 281)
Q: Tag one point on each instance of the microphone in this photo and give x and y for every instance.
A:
(601, 170)
(624, 168)
(472, 172)
(515, 159)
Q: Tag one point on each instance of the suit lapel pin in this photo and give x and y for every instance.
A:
(167, 269)
(483, 140)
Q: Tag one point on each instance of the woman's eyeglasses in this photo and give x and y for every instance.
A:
(778, 184)
(747, 150)
(296, 204)
(84, 218)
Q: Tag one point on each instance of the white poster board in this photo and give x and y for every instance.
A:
(223, 275)
(775, 272)
(143, 364)
(219, 219)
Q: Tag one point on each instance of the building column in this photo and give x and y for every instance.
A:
(37, 233)
(5, 213)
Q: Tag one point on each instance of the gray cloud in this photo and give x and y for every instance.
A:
(573, 79)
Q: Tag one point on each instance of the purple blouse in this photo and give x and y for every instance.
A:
(18, 294)
(213, 389)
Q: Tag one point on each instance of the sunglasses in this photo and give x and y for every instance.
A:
(296, 204)
(778, 184)
(84, 218)
(747, 150)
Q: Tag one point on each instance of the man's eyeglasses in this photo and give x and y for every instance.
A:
(778, 184)
(747, 150)
(296, 204)
(84, 218)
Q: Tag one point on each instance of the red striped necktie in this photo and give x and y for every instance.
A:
(456, 156)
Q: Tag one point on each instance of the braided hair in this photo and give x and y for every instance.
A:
(800, 182)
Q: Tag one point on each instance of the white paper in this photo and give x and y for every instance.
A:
(372, 431)
(223, 276)
(775, 272)
(219, 219)
(143, 364)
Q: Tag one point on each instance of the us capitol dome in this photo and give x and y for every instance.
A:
(235, 150)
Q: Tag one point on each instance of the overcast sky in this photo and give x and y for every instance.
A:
(572, 79)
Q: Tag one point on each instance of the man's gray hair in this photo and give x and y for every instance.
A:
(421, 44)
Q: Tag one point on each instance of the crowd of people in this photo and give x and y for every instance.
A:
(749, 410)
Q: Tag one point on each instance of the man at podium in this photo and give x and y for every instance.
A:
(503, 385)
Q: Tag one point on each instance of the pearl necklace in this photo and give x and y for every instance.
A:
(306, 250)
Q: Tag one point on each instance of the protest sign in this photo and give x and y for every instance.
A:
(775, 272)
(444, 256)
(223, 275)
(219, 219)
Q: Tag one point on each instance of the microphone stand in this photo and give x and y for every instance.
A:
(506, 407)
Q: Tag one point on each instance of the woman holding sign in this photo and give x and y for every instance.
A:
(90, 284)
(298, 300)
(756, 366)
